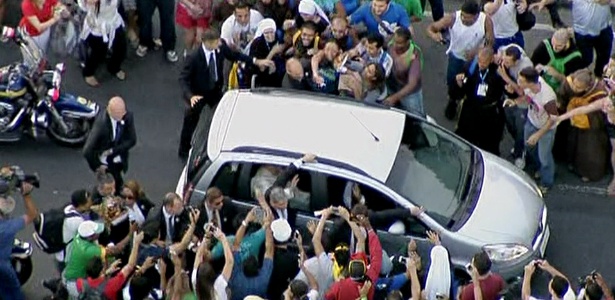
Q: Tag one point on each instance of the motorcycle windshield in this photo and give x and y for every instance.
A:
(32, 55)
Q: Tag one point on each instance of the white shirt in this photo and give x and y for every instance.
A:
(69, 229)
(466, 38)
(117, 158)
(104, 23)
(208, 54)
(589, 17)
(321, 268)
(230, 29)
(219, 285)
(135, 214)
(536, 113)
(505, 20)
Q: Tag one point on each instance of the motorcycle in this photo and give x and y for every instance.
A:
(32, 101)
(21, 259)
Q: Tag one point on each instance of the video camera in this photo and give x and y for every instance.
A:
(12, 177)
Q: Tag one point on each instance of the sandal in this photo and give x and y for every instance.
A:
(91, 81)
(121, 75)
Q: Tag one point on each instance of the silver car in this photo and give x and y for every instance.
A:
(474, 200)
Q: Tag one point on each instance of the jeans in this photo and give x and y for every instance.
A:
(166, 11)
(413, 103)
(601, 43)
(541, 154)
(515, 122)
(10, 288)
(515, 39)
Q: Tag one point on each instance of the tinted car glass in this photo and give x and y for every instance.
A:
(199, 141)
(431, 169)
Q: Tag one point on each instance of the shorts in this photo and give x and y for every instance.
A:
(183, 19)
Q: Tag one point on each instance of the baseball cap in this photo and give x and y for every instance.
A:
(90, 228)
(7, 205)
(281, 230)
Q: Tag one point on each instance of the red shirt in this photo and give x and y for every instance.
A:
(490, 286)
(114, 285)
(348, 289)
(29, 9)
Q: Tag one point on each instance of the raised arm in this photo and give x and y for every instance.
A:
(434, 31)
(183, 244)
(317, 237)
(241, 231)
(582, 110)
(132, 259)
(229, 261)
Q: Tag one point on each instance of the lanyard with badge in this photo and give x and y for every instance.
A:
(481, 91)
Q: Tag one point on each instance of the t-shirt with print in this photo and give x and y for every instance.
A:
(491, 286)
(536, 114)
(243, 286)
(250, 245)
(78, 254)
(395, 16)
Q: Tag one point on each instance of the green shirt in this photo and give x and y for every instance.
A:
(250, 245)
(413, 8)
(78, 255)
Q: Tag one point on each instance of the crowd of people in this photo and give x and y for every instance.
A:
(118, 245)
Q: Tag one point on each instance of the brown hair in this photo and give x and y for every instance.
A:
(135, 188)
(213, 193)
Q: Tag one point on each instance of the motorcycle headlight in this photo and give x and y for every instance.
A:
(505, 252)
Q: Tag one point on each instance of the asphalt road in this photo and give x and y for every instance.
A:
(580, 214)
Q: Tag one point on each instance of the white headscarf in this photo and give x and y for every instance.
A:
(264, 25)
(439, 275)
(309, 7)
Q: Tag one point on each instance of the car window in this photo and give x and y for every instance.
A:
(241, 181)
(199, 142)
(431, 169)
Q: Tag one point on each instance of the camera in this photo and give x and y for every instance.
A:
(584, 279)
(12, 177)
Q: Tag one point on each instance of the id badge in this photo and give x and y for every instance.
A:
(482, 90)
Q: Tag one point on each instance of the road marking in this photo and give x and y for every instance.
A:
(582, 189)
(538, 26)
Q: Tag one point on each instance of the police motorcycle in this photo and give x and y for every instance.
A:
(31, 99)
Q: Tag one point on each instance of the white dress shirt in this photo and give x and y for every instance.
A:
(135, 214)
(170, 221)
(208, 54)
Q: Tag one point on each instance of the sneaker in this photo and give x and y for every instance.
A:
(172, 56)
(520, 163)
(141, 51)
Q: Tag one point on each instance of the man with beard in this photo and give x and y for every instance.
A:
(480, 121)
(325, 77)
(339, 31)
(305, 43)
(404, 84)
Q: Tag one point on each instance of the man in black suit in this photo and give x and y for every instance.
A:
(201, 81)
(277, 195)
(113, 134)
(218, 210)
(170, 221)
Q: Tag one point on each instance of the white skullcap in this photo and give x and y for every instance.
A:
(307, 7)
(281, 230)
(90, 228)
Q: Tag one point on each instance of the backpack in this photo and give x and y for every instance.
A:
(90, 293)
(48, 230)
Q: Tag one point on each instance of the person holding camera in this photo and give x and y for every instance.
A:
(559, 286)
(9, 227)
(595, 288)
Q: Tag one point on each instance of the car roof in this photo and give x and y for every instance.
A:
(349, 132)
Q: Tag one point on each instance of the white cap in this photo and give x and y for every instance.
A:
(398, 228)
(90, 228)
(281, 230)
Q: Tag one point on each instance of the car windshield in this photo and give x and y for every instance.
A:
(431, 169)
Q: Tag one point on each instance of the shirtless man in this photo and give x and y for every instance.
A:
(404, 84)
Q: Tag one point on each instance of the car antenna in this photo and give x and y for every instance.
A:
(370, 132)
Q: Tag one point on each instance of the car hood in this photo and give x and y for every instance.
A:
(509, 207)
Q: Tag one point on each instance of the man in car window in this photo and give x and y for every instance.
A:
(265, 178)
(277, 196)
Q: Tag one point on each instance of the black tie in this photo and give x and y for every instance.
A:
(171, 228)
(213, 75)
(118, 131)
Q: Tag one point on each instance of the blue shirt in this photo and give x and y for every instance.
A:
(8, 230)
(154, 251)
(393, 17)
(243, 286)
(350, 6)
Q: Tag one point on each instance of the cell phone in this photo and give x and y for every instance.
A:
(403, 260)
(297, 234)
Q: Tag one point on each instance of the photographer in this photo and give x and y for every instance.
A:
(594, 287)
(559, 286)
(10, 287)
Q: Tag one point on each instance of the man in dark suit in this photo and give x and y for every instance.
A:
(113, 134)
(216, 209)
(277, 195)
(201, 81)
(170, 221)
